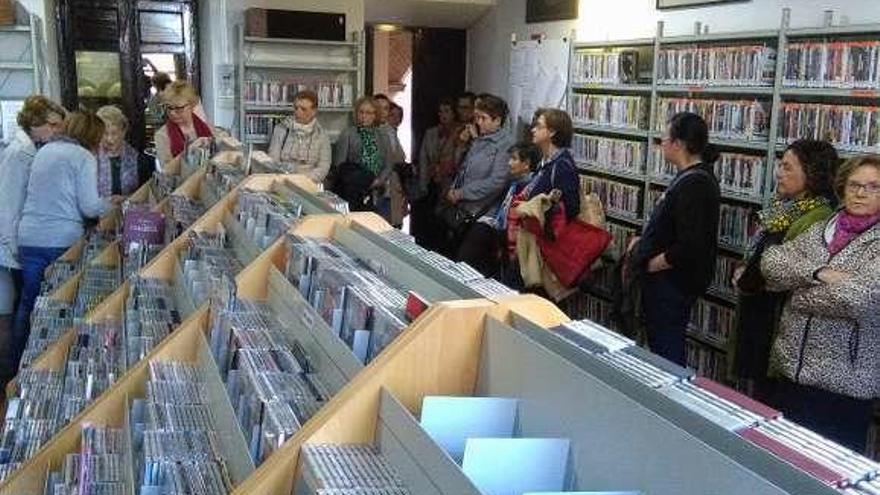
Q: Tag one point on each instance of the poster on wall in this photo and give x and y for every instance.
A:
(679, 4)
(551, 10)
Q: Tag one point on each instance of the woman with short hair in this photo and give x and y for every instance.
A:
(39, 120)
(299, 143)
(121, 169)
(827, 350)
(62, 192)
(361, 162)
(804, 196)
(182, 125)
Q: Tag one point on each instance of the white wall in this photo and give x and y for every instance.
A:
(599, 20)
(45, 11)
(218, 19)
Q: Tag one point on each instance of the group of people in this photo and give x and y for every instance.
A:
(806, 325)
(59, 172)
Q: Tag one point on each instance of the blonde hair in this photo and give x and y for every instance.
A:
(86, 128)
(36, 110)
(366, 100)
(112, 115)
(180, 90)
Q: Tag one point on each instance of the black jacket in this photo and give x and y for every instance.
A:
(684, 225)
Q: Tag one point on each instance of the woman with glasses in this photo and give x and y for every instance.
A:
(361, 163)
(299, 143)
(827, 350)
(39, 120)
(182, 126)
(804, 196)
(676, 253)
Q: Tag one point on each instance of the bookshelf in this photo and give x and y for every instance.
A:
(272, 70)
(761, 80)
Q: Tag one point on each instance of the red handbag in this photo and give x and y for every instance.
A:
(576, 248)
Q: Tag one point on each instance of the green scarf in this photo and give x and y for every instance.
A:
(370, 158)
(781, 214)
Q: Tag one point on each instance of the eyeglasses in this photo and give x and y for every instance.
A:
(872, 188)
(176, 108)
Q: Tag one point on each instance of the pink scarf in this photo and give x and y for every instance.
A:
(848, 228)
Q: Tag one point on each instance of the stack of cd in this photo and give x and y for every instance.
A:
(164, 184)
(98, 469)
(31, 418)
(49, 319)
(362, 307)
(97, 282)
(209, 266)
(709, 405)
(824, 459)
(179, 451)
(96, 241)
(94, 361)
(265, 216)
(334, 201)
(149, 316)
(184, 212)
(273, 391)
(56, 274)
(350, 469)
(222, 178)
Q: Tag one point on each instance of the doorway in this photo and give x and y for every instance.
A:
(109, 50)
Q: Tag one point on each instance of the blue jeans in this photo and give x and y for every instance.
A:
(34, 261)
(667, 312)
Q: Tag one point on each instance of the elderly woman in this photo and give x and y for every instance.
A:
(804, 196)
(183, 125)
(62, 192)
(299, 143)
(828, 346)
(39, 120)
(121, 169)
(362, 156)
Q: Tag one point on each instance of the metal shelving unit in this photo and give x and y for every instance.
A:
(21, 65)
(777, 93)
(305, 58)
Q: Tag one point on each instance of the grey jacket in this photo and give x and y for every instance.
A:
(61, 192)
(348, 149)
(829, 335)
(15, 169)
(301, 149)
(485, 172)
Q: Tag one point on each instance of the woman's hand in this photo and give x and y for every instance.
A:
(737, 274)
(658, 264)
(468, 133)
(377, 183)
(632, 243)
(202, 142)
(453, 196)
(832, 276)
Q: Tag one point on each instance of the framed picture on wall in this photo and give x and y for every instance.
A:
(551, 10)
(681, 4)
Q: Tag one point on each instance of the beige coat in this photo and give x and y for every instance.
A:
(829, 335)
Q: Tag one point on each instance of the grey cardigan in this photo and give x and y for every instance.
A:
(62, 190)
(15, 169)
(485, 172)
(829, 334)
(348, 149)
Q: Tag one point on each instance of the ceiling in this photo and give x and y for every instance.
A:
(426, 13)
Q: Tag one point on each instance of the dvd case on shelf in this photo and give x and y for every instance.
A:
(208, 265)
(738, 65)
(262, 125)
(737, 173)
(743, 120)
(265, 216)
(618, 198)
(31, 417)
(174, 439)
(620, 236)
(712, 321)
(49, 319)
(599, 67)
(833, 64)
(352, 468)
(280, 92)
(722, 282)
(848, 127)
(706, 361)
(736, 225)
(94, 361)
(625, 112)
(97, 282)
(150, 315)
(98, 468)
(610, 154)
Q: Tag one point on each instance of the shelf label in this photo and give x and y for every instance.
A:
(864, 93)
